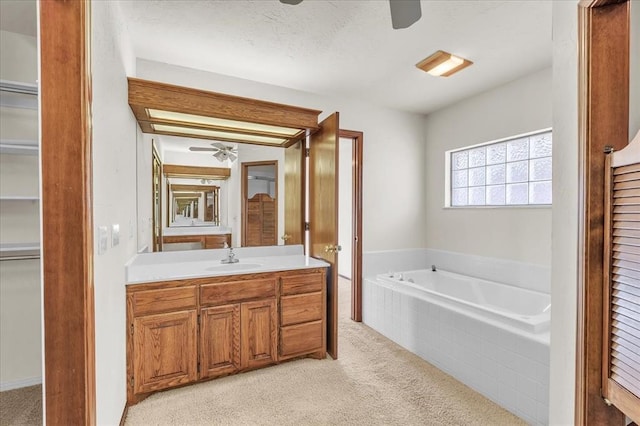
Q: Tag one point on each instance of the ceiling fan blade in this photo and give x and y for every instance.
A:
(404, 13)
(233, 156)
(197, 148)
(220, 146)
(293, 2)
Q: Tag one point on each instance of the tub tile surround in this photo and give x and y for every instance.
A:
(507, 365)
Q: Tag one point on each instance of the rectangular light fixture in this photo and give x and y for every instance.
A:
(213, 134)
(443, 64)
(179, 117)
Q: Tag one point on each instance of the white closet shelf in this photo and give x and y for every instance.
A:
(18, 147)
(19, 198)
(19, 251)
(18, 95)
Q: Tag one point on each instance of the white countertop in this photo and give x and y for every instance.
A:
(168, 266)
(195, 230)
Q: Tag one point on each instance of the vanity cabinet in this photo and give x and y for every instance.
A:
(188, 330)
(207, 241)
(242, 335)
(302, 313)
(163, 338)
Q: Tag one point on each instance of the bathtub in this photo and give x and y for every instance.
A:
(492, 337)
(524, 309)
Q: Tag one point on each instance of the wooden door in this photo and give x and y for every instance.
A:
(258, 333)
(621, 290)
(219, 340)
(165, 351)
(294, 194)
(323, 215)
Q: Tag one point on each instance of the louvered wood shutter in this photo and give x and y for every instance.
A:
(621, 355)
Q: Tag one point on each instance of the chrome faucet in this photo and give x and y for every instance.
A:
(231, 256)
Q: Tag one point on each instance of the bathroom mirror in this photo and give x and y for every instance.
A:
(194, 207)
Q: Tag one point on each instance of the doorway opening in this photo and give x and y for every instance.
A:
(350, 215)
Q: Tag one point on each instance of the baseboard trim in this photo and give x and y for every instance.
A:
(22, 383)
(124, 414)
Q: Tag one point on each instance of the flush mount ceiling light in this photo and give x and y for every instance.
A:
(443, 64)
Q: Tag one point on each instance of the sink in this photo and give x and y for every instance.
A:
(234, 267)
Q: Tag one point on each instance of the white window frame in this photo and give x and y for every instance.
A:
(448, 174)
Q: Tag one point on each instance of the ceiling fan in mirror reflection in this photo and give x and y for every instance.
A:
(220, 151)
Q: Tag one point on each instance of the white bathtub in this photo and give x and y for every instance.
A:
(492, 337)
(524, 309)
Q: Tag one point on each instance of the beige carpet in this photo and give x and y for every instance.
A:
(373, 382)
(21, 406)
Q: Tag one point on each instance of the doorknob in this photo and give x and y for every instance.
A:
(332, 249)
(285, 237)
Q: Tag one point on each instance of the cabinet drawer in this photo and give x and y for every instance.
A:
(304, 283)
(301, 308)
(216, 241)
(170, 299)
(301, 338)
(237, 291)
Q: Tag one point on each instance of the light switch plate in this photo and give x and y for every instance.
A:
(103, 239)
(115, 234)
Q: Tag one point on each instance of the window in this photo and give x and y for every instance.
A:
(510, 172)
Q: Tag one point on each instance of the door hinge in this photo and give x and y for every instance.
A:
(307, 152)
(307, 226)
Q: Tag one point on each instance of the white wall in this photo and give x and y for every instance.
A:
(520, 234)
(393, 218)
(564, 265)
(345, 207)
(20, 287)
(114, 201)
(143, 185)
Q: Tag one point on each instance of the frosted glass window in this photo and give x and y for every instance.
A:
(460, 178)
(477, 157)
(540, 192)
(540, 169)
(496, 195)
(518, 193)
(459, 197)
(460, 160)
(497, 153)
(518, 171)
(496, 174)
(476, 196)
(476, 176)
(514, 171)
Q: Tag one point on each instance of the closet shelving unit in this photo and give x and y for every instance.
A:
(25, 96)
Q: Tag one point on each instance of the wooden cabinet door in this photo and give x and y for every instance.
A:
(259, 333)
(219, 340)
(164, 350)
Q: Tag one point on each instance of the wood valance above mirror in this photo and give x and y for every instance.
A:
(167, 109)
(196, 172)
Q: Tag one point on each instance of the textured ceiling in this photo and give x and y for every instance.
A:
(348, 48)
(19, 16)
